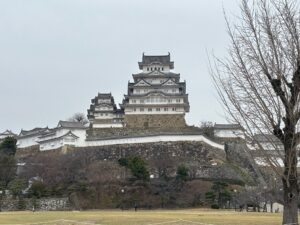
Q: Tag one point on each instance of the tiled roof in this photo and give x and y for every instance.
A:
(70, 124)
(265, 138)
(162, 59)
(33, 131)
(8, 132)
(155, 73)
(227, 126)
(56, 138)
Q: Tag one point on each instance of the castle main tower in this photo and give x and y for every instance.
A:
(156, 97)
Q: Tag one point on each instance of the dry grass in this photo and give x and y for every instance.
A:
(153, 217)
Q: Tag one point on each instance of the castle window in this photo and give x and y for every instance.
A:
(147, 68)
(162, 69)
(158, 68)
(154, 68)
(169, 100)
(151, 68)
(142, 109)
(101, 114)
(134, 109)
(173, 109)
(177, 100)
(157, 109)
(166, 109)
(149, 109)
(133, 101)
(142, 101)
(173, 90)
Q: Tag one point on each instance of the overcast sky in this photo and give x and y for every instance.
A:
(56, 55)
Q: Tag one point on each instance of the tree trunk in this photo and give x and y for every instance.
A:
(290, 212)
(290, 182)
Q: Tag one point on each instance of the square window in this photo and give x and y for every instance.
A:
(149, 109)
(157, 109)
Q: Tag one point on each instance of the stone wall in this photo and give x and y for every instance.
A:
(23, 152)
(238, 153)
(203, 161)
(8, 203)
(108, 133)
(146, 121)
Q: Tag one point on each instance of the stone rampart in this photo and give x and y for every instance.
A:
(104, 133)
(203, 160)
(154, 121)
(44, 204)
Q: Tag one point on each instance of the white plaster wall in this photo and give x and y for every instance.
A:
(81, 133)
(277, 207)
(104, 115)
(27, 141)
(263, 162)
(156, 100)
(57, 143)
(107, 125)
(179, 110)
(165, 68)
(229, 133)
(164, 90)
(51, 145)
(269, 146)
(158, 138)
(2, 136)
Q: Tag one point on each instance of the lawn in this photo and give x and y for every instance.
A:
(149, 217)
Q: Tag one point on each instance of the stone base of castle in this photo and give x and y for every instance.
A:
(155, 121)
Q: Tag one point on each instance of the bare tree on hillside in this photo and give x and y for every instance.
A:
(207, 128)
(79, 117)
(259, 84)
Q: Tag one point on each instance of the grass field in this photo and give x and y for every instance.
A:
(153, 217)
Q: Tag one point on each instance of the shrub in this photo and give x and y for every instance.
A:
(137, 166)
(215, 206)
(182, 173)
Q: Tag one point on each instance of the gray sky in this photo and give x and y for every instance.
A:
(56, 55)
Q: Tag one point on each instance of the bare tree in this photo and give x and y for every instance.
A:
(79, 117)
(207, 128)
(259, 84)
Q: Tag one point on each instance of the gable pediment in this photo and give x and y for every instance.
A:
(156, 94)
(142, 82)
(169, 82)
(156, 72)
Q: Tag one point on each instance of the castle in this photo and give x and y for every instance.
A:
(155, 98)
(153, 110)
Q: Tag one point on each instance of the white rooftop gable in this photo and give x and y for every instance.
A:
(142, 83)
(169, 82)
